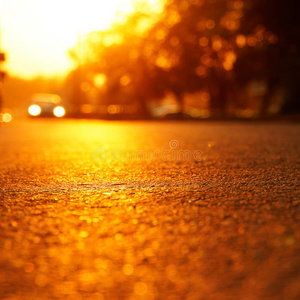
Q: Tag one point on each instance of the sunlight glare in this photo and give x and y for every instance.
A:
(37, 34)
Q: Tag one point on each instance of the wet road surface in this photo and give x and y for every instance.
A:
(149, 210)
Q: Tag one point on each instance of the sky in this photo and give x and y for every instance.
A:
(36, 34)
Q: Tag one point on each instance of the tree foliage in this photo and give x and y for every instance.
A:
(192, 45)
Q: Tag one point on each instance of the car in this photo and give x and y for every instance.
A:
(46, 105)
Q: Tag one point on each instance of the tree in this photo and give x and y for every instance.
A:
(280, 63)
(194, 43)
(191, 45)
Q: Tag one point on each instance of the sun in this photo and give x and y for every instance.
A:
(38, 34)
(84, 16)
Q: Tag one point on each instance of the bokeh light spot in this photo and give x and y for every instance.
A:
(6, 117)
(140, 288)
(128, 269)
(34, 110)
(59, 111)
(125, 80)
(203, 41)
(210, 24)
(241, 41)
(100, 80)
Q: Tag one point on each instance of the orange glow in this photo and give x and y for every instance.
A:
(100, 80)
(260, 33)
(217, 43)
(128, 270)
(113, 109)
(241, 41)
(231, 20)
(161, 34)
(210, 24)
(237, 14)
(238, 4)
(140, 288)
(125, 80)
(6, 117)
(173, 18)
(272, 38)
(112, 39)
(251, 41)
(86, 108)
(201, 25)
(230, 58)
(206, 60)
(165, 60)
(85, 86)
(232, 25)
(205, 96)
(38, 34)
(148, 51)
(201, 71)
(174, 41)
(203, 41)
(227, 66)
(133, 54)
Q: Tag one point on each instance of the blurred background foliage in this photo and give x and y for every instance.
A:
(191, 58)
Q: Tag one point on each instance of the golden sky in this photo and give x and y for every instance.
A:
(36, 34)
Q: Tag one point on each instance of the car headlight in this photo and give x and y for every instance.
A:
(34, 110)
(59, 111)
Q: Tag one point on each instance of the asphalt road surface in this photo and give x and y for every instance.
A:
(149, 210)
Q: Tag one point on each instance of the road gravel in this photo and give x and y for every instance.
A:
(96, 209)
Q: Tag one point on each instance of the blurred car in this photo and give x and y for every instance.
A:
(46, 105)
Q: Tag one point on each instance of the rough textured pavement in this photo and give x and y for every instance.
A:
(149, 210)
